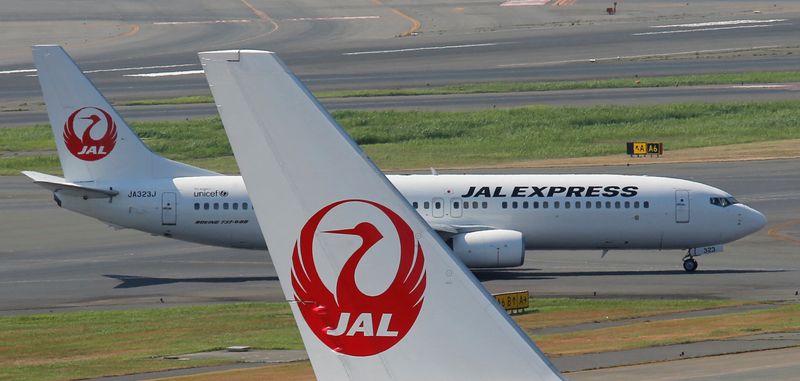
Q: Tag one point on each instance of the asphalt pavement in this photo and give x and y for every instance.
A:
(53, 259)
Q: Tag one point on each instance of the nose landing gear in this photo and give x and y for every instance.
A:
(689, 263)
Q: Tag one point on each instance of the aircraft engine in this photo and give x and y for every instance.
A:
(490, 248)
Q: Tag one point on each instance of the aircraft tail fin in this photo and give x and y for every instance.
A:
(377, 295)
(93, 141)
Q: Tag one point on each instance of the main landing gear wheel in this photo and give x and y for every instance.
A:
(689, 264)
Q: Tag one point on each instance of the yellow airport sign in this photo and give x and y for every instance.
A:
(513, 301)
(644, 148)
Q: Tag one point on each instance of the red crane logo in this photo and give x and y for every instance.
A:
(352, 322)
(86, 147)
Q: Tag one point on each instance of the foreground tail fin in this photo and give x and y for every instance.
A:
(93, 141)
(375, 292)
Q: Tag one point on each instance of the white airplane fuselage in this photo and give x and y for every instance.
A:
(488, 220)
(572, 212)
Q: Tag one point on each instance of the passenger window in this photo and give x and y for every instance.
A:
(577, 204)
(536, 205)
(617, 204)
(608, 204)
(646, 204)
(196, 206)
(636, 204)
(216, 206)
(627, 204)
(475, 205)
(504, 205)
(567, 204)
(235, 206)
(206, 206)
(525, 205)
(415, 204)
(588, 204)
(244, 206)
(485, 205)
(466, 205)
(544, 204)
(514, 205)
(598, 205)
(426, 205)
(225, 205)
(556, 204)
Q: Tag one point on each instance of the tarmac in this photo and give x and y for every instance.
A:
(55, 260)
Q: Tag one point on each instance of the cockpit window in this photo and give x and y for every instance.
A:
(723, 201)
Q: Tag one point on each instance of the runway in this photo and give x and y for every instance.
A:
(55, 259)
(456, 42)
(466, 102)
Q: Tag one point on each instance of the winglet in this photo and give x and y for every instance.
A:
(388, 300)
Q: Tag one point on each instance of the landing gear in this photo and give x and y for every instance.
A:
(689, 263)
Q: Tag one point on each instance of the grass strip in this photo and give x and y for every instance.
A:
(91, 344)
(560, 312)
(612, 83)
(676, 331)
(782, 319)
(513, 87)
(421, 139)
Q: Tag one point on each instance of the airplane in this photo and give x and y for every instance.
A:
(488, 220)
(376, 293)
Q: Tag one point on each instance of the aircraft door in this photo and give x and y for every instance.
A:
(169, 208)
(437, 209)
(455, 207)
(681, 206)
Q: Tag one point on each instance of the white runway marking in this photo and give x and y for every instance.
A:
(139, 68)
(104, 70)
(522, 3)
(18, 71)
(424, 48)
(201, 22)
(704, 29)
(719, 23)
(342, 18)
(599, 59)
(165, 74)
(764, 86)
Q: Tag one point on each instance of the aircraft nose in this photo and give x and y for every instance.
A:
(753, 220)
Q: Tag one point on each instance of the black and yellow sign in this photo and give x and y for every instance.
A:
(644, 148)
(513, 301)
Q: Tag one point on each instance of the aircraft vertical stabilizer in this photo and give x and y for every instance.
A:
(377, 295)
(93, 141)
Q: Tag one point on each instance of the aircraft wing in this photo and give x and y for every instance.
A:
(447, 230)
(58, 184)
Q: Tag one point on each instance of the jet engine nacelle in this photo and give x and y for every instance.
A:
(490, 248)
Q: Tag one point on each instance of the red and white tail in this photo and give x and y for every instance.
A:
(375, 292)
(93, 141)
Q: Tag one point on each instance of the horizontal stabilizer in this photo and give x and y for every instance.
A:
(58, 184)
